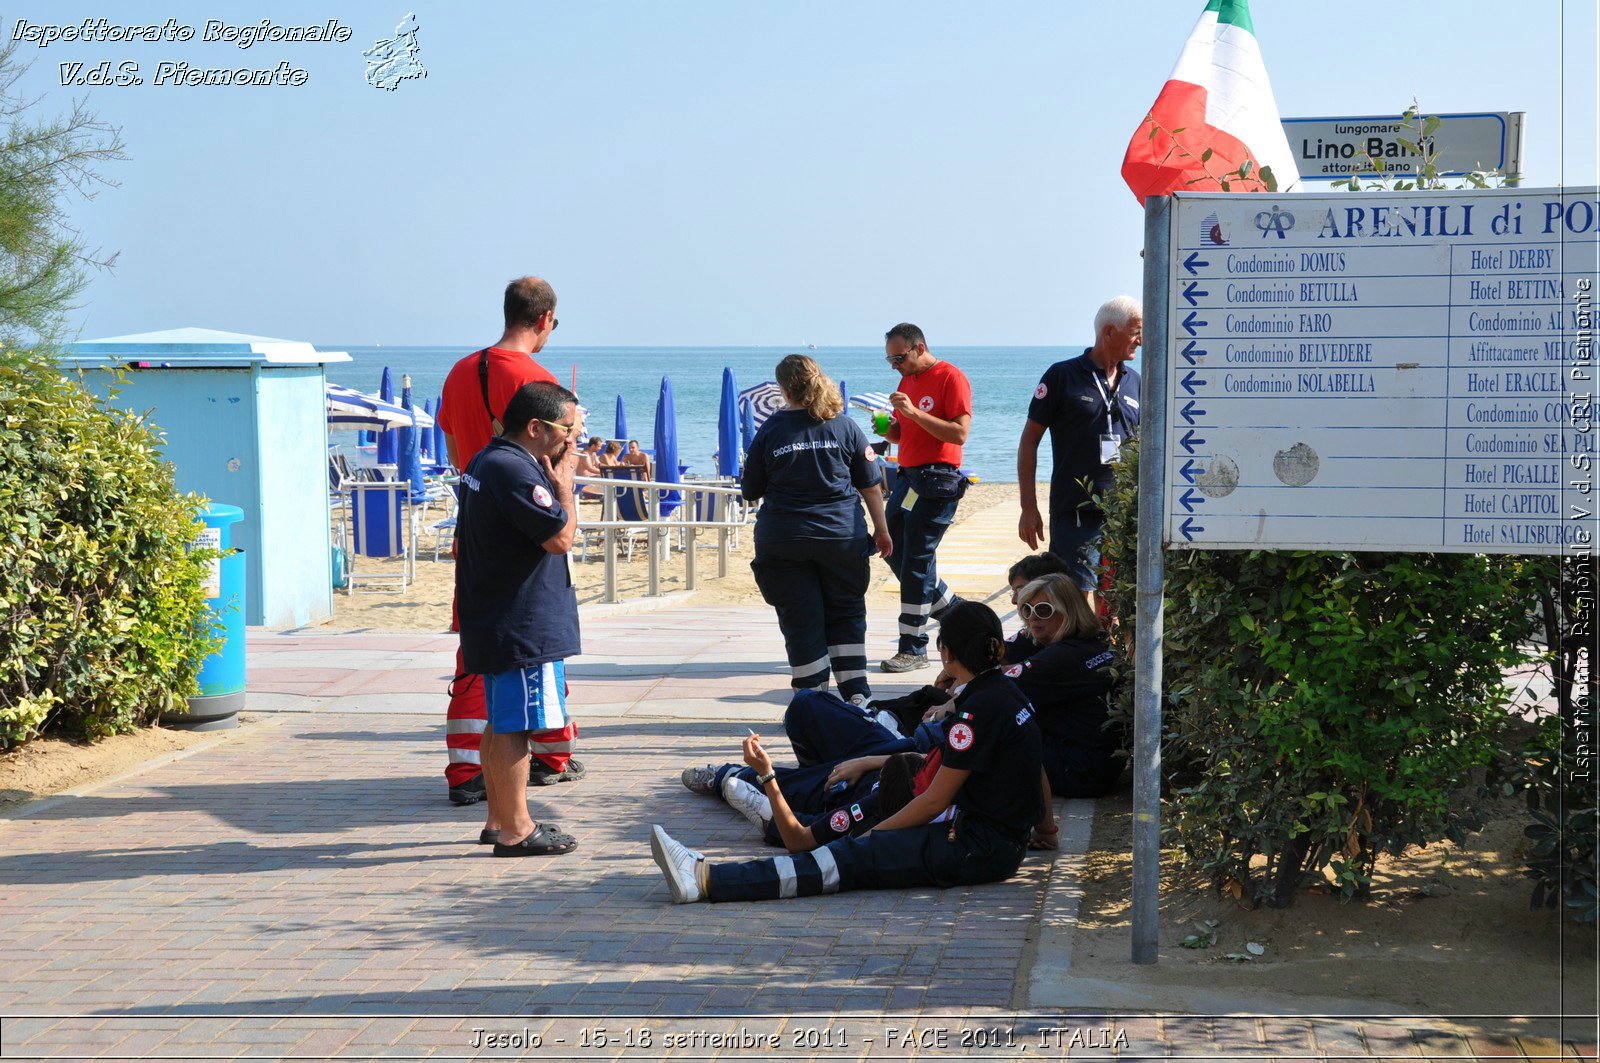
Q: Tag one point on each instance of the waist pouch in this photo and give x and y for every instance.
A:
(940, 483)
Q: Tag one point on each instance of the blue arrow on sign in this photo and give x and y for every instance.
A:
(1190, 321)
(1190, 411)
(1194, 293)
(1191, 353)
(1190, 381)
(1189, 500)
(1190, 441)
(1194, 261)
(1189, 527)
(1189, 470)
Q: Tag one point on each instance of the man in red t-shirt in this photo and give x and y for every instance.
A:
(475, 395)
(932, 416)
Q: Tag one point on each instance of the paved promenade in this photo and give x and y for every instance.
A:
(302, 889)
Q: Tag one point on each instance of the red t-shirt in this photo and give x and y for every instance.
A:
(461, 412)
(943, 391)
(930, 767)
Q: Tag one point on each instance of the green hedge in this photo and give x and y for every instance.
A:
(1322, 708)
(102, 604)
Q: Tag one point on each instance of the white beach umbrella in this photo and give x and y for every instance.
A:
(349, 410)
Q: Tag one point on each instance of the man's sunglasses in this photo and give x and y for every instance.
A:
(1042, 611)
(566, 429)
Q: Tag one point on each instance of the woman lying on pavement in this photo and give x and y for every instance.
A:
(990, 769)
(1062, 662)
(826, 733)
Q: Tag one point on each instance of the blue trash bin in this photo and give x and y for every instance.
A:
(222, 678)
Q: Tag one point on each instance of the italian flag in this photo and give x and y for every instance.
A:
(1215, 115)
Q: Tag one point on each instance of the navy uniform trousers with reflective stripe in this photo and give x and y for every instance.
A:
(825, 730)
(938, 854)
(916, 530)
(819, 589)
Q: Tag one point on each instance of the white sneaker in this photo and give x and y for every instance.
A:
(861, 701)
(679, 863)
(749, 802)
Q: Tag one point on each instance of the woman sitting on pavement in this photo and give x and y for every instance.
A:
(989, 771)
(1062, 662)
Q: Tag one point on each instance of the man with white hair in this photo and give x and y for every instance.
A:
(1090, 406)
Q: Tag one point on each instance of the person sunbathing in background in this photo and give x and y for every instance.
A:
(589, 465)
(636, 456)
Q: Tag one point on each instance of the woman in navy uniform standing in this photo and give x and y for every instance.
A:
(989, 771)
(812, 468)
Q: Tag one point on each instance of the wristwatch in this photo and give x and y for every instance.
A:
(762, 780)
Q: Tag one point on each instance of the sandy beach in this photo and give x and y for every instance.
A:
(425, 606)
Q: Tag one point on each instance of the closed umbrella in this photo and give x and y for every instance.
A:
(410, 452)
(622, 421)
(728, 427)
(747, 423)
(388, 443)
(441, 453)
(844, 393)
(425, 444)
(666, 440)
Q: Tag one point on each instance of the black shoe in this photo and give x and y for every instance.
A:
(469, 792)
(539, 773)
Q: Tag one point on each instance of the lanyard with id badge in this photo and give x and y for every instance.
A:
(1110, 441)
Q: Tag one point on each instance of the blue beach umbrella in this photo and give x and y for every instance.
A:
(622, 421)
(747, 423)
(844, 393)
(388, 442)
(441, 453)
(666, 440)
(728, 427)
(408, 446)
(425, 444)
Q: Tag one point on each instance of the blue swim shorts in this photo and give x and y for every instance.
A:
(527, 699)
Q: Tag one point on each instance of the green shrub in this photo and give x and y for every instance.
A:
(102, 605)
(1565, 831)
(1322, 708)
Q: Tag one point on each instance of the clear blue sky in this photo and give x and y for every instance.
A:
(724, 172)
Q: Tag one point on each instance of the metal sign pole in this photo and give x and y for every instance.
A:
(1148, 624)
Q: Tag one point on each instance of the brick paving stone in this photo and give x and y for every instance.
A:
(1545, 1048)
(1339, 1037)
(1485, 1047)
(1390, 1040)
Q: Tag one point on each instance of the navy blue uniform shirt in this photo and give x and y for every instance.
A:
(515, 600)
(1071, 401)
(992, 733)
(1069, 682)
(810, 472)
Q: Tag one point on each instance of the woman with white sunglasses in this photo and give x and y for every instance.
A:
(1062, 661)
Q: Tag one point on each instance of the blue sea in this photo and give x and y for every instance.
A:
(1003, 379)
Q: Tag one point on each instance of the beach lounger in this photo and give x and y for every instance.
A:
(382, 525)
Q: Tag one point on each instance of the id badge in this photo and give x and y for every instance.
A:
(1110, 449)
(909, 500)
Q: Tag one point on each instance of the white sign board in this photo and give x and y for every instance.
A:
(1383, 371)
(1331, 149)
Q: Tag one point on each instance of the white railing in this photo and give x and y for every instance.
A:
(736, 513)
